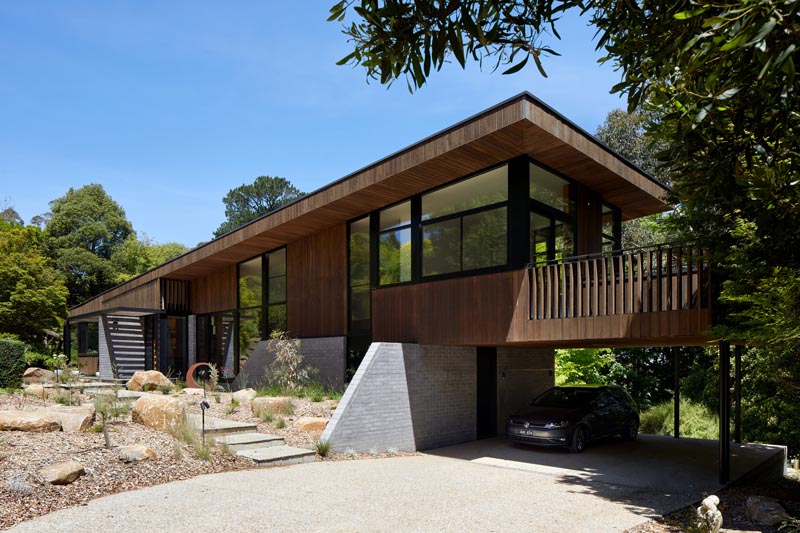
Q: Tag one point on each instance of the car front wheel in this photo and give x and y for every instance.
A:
(578, 442)
(631, 429)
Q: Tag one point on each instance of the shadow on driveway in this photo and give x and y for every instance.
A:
(665, 473)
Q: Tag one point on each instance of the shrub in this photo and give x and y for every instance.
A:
(287, 370)
(12, 362)
(322, 447)
(280, 423)
(231, 407)
(697, 421)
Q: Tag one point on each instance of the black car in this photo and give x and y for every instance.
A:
(572, 416)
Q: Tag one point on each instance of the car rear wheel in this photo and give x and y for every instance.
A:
(578, 442)
(631, 429)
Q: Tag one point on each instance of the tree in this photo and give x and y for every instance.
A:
(249, 201)
(86, 227)
(626, 133)
(10, 215)
(721, 76)
(33, 297)
(136, 256)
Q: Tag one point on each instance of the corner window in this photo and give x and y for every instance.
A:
(552, 216)
(612, 229)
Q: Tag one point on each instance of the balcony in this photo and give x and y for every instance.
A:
(654, 295)
(657, 296)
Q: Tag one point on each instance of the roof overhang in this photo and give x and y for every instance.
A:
(519, 126)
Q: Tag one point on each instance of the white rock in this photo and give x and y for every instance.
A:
(244, 395)
(28, 421)
(72, 418)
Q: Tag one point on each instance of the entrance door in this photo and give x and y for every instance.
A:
(487, 392)
(175, 358)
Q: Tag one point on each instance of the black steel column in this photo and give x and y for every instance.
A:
(676, 431)
(724, 412)
(737, 393)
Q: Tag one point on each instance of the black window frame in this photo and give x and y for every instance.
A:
(555, 215)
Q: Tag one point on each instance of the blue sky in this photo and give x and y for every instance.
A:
(170, 104)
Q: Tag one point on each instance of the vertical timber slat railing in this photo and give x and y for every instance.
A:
(661, 278)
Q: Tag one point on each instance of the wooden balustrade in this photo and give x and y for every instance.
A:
(662, 278)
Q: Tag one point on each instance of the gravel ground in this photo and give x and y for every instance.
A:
(24, 495)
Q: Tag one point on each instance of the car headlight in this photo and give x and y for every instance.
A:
(556, 425)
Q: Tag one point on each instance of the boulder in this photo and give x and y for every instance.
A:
(192, 391)
(37, 375)
(28, 421)
(37, 390)
(72, 418)
(62, 473)
(147, 380)
(270, 404)
(158, 412)
(311, 423)
(136, 453)
(123, 394)
(765, 510)
(244, 395)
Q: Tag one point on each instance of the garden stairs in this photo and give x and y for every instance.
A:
(244, 439)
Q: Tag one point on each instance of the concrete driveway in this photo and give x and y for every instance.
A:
(425, 492)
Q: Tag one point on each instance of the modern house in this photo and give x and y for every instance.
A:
(442, 277)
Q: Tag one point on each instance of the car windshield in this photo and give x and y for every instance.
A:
(565, 397)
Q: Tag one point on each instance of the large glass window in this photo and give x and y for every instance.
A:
(276, 294)
(214, 341)
(359, 282)
(550, 190)
(250, 283)
(485, 189)
(394, 244)
(464, 225)
(552, 216)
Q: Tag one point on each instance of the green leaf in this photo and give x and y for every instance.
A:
(684, 15)
(519, 66)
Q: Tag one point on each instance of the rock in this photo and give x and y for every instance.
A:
(191, 391)
(28, 421)
(36, 390)
(311, 423)
(244, 395)
(270, 404)
(158, 412)
(62, 473)
(147, 380)
(136, 453)
(709, 519)
(765, 510)
(37, 375)
(123, 394)
(72, 418)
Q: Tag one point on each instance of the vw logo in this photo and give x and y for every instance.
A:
(527, 425)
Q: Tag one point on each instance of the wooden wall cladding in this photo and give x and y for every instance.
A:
(145, 296)
(494, 310)
(215, 292)
(316, 269)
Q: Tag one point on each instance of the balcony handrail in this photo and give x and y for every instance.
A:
(663, 277)
(612, 253)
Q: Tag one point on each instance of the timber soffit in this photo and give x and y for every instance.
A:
(522, 124)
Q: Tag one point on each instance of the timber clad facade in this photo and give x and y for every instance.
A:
(499, 233)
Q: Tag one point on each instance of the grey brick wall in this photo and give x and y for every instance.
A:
(407, 397)
(326, 354)
(104, 359)
(191, 333)
(522, 374)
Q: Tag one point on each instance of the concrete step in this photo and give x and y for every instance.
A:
(249, 441)
(217, 427)
(278, 455)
